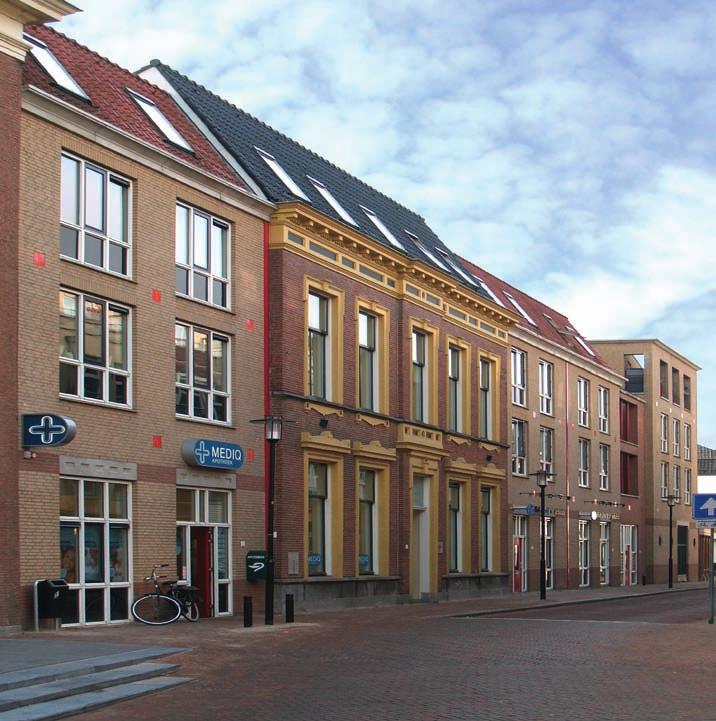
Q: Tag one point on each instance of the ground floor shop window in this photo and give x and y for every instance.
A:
(455, 528)
(628, 550)
(604, 554)
(317, 518)
(549, 551)
(95, 545)
(366, 522)
(519, 551)
(203, 547)
(584, 553)
(485, 528)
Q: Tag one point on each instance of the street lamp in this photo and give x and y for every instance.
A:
(671, 499)
(542, 477)
(272, 435)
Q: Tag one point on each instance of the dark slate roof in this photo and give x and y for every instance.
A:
(105, 83)
(707, 466)
(548, 322)
(240, 133)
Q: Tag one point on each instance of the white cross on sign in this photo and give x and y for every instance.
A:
(47, 430)
(202, 453)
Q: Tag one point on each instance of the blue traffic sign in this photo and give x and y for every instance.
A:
(46, 429)
(704, 507)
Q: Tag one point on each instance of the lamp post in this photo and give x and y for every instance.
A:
(671, 499)
(542, 477)
(272, 435)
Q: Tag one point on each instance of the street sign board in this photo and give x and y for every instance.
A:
(705, 524)
(704, 507)
(256, 565)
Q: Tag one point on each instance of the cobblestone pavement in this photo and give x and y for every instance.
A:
(607, 660)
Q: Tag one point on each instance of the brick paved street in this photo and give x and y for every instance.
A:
(418, 663)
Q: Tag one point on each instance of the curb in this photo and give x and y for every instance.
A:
(574, 602)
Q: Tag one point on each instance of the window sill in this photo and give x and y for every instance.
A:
(205, 422)
(89, 266)
(204, 303)
(96, 404)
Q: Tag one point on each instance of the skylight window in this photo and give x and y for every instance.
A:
(522, 311)
(160, 120)
(581, 342)
(426, 252)
(465, 276)
(330, 199)
(281, 174)
(378, 223)
(488, 290)
(53, 67)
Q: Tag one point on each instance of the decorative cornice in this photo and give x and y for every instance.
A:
(374, 450)
(372, 420)
(324, 410)
(325, 442)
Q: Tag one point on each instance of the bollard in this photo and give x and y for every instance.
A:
(643, 580)
(248, 611)
(289, 608)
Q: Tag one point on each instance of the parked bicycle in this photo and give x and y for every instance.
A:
(159, 607)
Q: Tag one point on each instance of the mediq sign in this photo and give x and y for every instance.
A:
(206, 453)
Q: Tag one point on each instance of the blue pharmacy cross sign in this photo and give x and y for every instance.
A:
(46, 429)
(206, 453)
(704, 507)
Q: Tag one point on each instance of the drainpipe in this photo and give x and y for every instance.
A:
(566, 459)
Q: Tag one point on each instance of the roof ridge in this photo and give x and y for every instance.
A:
(145, 83)
(158, 63)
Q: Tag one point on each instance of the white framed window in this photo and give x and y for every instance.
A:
(485, 411)
(603, 553)
(603, 467)
(687, 442)
(368, 376)
(687, 486)
(53, 67)
(549, 551)
(546, 378)
(519, 447)
(519, 377)
(203, 373)
(150, 109)
(420, 376)
(319, 346)
(197, 511)
(629, 555)
(94, 216)
(583, 402)
(583, 448)
(583, 553)
(95, 349)
(664, 485)
(95, 550)
(664, 432)
(202, 256)
(546, 448)
(676, 483)
(676, 436)
(603, 409)
(455, 389)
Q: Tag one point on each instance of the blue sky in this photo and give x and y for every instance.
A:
(566, 146)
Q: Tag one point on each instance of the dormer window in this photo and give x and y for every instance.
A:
(426, 252)
(522, 311)
(53, 67)
(467, 278)
(581, 342)
(330, 199)
(160, 120)
(488, 290)
(281, 174)
(378, 223)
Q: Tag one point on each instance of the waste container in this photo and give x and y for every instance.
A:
(51, 597)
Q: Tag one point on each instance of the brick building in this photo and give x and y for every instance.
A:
(388, 363)
(564, 408)
(666, 381)
(133, 292)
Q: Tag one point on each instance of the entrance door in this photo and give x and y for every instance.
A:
(419, 539)
(682, 550)
(202, 539)
(519, 554)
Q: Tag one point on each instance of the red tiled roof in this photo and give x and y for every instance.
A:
(105, 83)
(559, 330)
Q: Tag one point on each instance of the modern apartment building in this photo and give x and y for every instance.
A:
(133, 313)
(667, 383)
(564, 410)
(388, 364)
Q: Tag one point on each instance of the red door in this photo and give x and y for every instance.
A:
(201, 567)
(517, 564)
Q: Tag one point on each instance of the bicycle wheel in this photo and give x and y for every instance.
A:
(155, 609)
(191, 611)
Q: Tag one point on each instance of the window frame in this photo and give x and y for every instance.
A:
(664, 432)
(664, 480)
(583, 402)
(81, 363)
(518, 359)
(190, 386)
(664, 379)
(487, 411)
(687, 441)
(583, 453)
(545, 371)
(676, 437)
(676, 482)
(603, 467)
(603, 394)
(584, 552)
(687, 486)
(519, 443)
(546, 448)
(191, 267)
(82, 229)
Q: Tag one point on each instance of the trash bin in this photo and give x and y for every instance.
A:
(51, 597)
